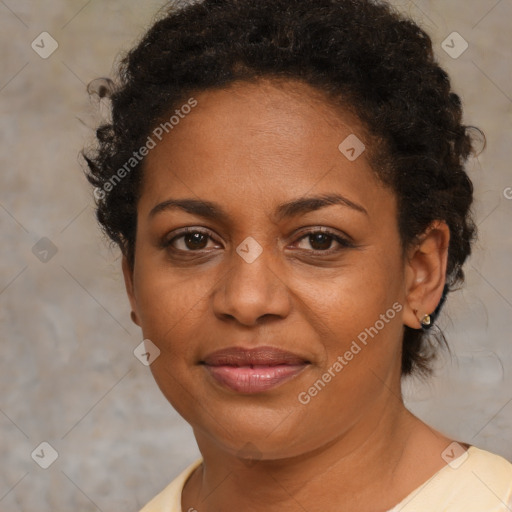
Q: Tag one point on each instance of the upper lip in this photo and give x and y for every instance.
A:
(239, 356)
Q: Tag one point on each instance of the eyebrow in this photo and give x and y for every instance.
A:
(211, 210)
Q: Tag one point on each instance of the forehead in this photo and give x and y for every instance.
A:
(266, 137)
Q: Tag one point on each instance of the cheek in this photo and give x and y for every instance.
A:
(355, 299)
(171, 308)
(358, 315)
(359, 319)
(172, 311)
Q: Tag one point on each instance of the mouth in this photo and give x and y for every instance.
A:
(253, 370)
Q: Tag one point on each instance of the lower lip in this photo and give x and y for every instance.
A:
(244, 379)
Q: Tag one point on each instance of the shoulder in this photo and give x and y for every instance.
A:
(477, 481)
(488, 465)
(169, 499)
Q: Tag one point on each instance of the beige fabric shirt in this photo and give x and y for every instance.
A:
(482, 483)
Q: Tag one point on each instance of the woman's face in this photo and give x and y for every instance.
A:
(254, 271)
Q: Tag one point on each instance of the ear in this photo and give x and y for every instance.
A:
(426, 273)
(128, 282)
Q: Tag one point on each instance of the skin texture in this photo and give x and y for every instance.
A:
(250, 148)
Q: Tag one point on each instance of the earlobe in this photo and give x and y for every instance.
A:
(426, 275)
(128, 282)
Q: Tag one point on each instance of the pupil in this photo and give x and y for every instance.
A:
(195, 239)
(319, 238)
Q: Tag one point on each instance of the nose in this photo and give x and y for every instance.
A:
(252, 290)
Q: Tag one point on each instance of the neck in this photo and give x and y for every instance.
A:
(363, 462)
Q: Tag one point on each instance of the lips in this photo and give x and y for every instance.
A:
(253, 370)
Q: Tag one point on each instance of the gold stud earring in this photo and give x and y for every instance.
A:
(426, 321)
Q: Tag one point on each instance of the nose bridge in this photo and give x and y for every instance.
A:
(252, 287)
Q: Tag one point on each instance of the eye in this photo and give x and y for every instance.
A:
(321, 241)
(196, 240)
(189, 240)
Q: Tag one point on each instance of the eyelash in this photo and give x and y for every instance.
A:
(344, 243)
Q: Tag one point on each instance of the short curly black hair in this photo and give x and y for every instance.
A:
(362, 54)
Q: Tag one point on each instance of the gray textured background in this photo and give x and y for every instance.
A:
(68, 375)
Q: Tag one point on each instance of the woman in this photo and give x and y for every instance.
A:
(286, 181)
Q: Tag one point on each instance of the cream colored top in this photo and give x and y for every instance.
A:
(481, 482)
